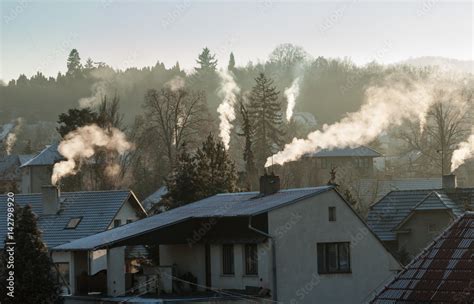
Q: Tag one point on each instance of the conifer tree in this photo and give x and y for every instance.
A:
(206, 61)
(207, 172)
(34, 277)
(266, 117)
(247, 133)
(231, 65)
(74, 65)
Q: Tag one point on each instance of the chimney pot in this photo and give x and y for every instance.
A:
(449, 182)
(50, 199)
(269, 184)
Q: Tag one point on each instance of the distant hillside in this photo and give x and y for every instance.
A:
(445, 64)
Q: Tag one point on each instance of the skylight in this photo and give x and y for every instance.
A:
(73, 222)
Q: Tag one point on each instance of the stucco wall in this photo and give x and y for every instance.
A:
(126, 212)
(239, 280)
(299, 227)
(417, 235)
(187, 259)
(34, 177)
(66, 257)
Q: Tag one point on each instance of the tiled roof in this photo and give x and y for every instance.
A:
(361, 151)
(154, 198)
(387, 214)
(443, 273)
(220, 205)
(97, 209)
(48, 156)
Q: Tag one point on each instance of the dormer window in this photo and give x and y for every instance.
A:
(73, 222)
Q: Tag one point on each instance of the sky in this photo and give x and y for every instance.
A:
(38, 35)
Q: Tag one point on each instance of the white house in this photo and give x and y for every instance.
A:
(67, 216)
(297, 246)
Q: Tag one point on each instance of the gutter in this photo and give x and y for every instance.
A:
(274, 273)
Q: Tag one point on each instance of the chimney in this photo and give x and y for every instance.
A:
(449, 182)
(50, 197)
(269, 184)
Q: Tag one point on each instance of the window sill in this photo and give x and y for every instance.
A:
(228, 275)
(250, 275)
(336, 272)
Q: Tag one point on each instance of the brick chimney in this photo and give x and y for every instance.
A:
(269, 184)
(449, 182)
(50, 198)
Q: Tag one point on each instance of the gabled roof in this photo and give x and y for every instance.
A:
(97, 209)
(442, 273)
(220, 205)
(386, 215)
(48, 156)
(361, 151)
(154, 198)
(10, 164)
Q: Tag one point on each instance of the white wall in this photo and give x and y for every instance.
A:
(187, 259)
(116, 271)
(239, 280)
(126, 212)
(98, 261)
(66, 257)
(299, 227)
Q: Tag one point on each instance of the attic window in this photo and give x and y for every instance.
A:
(73, 222)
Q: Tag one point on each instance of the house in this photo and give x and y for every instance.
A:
(37, 171)
(152, 202)
(442, 273)
(301, 245)
(354, 162)
(10, 175)
(407, 221)
(67, 216)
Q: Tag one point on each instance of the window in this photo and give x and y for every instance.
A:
(251, 259)
(117, 223)
(73, 222)
(334, 257)
(129, 221)
(228, 259)
(332, 214)
(63, 276)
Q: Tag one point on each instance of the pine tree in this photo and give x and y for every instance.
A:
(74, 65)
(35, 280)
(209, 171)
(206, 61)
(231, 65)
(247, 133)
(266, 117)
(215, 170)
(89, 64)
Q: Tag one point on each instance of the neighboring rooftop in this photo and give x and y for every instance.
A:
(154, 198)
(361, 151)
(220, 205)
(10, 164)
(443, 273)
(5, 130)
(96, 210)
(48, 156)
(387, 214)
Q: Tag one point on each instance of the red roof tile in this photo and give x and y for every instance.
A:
(442, 273)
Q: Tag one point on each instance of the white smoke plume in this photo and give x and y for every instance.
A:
(12, 136)
(464, 152)
(292, 94)
(99, 90)
(228, 91)
(385, 106)
(176, 83)
(82, 143)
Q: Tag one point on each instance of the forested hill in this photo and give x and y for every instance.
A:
(329, 87)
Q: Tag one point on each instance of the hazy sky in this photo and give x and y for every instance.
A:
(38, 35)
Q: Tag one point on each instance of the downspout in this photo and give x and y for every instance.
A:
(274, 273)
(59, 274)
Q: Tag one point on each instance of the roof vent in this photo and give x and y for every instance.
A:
(269, 184)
